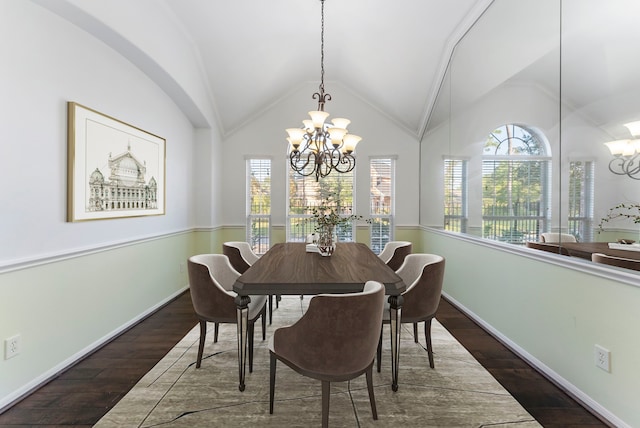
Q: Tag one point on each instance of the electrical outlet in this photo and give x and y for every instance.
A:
(603, 358)
(11, 347)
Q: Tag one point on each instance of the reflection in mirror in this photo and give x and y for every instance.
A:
(507, 86)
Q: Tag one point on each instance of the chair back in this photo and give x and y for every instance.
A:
(615, 261)
(557, 237)
(394, 253)
(423, 275)
(240, 255)
(211, 279)
(338, 334)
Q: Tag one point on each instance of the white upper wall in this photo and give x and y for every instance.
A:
(48, 62)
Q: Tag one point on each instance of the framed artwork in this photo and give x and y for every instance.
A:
(115, 170)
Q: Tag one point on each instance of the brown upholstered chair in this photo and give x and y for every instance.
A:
(557, 237)
(241, 257)
(423, 275)
(556, 249)
(615, 261)
(334, 341)
(211, 278)
(394, 252)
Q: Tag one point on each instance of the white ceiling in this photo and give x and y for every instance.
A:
(392, 54)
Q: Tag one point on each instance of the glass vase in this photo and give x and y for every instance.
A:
(327, 241)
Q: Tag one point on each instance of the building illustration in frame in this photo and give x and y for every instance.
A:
(115, 170)
(126, 188)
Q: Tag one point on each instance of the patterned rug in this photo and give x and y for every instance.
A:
(459, 392)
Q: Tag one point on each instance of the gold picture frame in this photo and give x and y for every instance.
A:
(114, 170)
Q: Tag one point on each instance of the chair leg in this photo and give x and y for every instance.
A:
(379, 352)
(270, 308)
(427, 337)
(264, 323)
(250, 334)
(203, 335)
(415, 332)
(278, 298)
(372, 398)
(215, 332)
(326, 392)
(272, 381)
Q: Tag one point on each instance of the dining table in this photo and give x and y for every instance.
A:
(584, 250)
(289, 269)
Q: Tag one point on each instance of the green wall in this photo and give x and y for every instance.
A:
(553, 311)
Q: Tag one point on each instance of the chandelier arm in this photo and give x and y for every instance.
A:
(625, 166)
(295, 160)
(346, 164)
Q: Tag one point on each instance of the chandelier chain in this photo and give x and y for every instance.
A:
(322, 48)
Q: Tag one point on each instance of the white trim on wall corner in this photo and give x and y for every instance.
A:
(551, 375)
(17, 395)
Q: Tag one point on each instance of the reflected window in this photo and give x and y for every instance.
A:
(455, 195)
(259, 204)
(515, 185)
(381, 201)
(581, 185)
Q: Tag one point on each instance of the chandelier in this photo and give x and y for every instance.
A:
(626, 153)
(319, 147)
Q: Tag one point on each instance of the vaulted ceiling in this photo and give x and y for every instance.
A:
(246, 55)
(392, 54)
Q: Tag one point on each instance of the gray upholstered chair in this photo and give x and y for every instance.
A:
(334, 341)
(211, 279)
(241, 257)
(556, 249)
(394, 252)
(423, 275)
(557, 237)
(615, 261)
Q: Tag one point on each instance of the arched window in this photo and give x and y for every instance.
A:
(515, 184)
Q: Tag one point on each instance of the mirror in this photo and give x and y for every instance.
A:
(531, 94)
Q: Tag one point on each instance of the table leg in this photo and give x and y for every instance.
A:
(243, 322)
(395, 307)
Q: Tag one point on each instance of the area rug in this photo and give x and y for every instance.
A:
(459, 392)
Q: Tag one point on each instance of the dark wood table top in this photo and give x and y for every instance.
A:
(288, 269)
(585, 249)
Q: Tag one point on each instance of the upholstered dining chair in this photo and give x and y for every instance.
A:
(423, 275)
(394, 252)
(241, 257)
(334, 341)
(557, 237)
(211, 278)
(615, 261)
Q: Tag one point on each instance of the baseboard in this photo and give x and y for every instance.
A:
(587, 402)
(14, 397)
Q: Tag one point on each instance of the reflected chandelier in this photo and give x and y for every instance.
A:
(327, 147)
(626, 153)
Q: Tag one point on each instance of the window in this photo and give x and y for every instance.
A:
(515, 185)
(581, 179)
(382, 202)
(306, 193)
(455, 195)
(259, 204)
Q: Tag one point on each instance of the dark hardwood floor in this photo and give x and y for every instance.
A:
(85, 392)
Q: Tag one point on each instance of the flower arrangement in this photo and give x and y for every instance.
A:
(327, 218)
(624, 211)
(327, 214)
